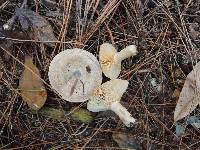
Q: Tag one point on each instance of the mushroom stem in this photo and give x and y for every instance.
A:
(123, 114)
(125, 53)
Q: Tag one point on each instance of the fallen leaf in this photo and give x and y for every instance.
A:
(82, 115)
(193, 120)
(54, 113)
(43, 31)
(190, 120)
(31, 88)
(176, 94)
(7, 44)
(58, 14)
(197, 125)
(49, 3)
(189, 96)
(126, 141)
(76, 114)
(41, 27)
(180, 129)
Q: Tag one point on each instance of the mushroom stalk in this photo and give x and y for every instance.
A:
(123, 114)
(125, 53)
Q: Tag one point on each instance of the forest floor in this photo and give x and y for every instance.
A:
(167, 36)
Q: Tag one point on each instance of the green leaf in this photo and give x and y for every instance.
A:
(76, 114)
(81, 115)
(56, 114)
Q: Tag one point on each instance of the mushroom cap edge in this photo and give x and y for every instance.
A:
(56, 77)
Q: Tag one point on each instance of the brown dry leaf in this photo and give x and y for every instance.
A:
(189, 96)
(126, 141)
(176, 94)
(51, 4)
(42, 29)
(31, 88)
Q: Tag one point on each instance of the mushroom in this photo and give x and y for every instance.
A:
(74, 74)
(107, 97)
(110, 59)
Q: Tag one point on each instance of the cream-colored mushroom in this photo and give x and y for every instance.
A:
(107, 97)
(110, 59)
(74, 74)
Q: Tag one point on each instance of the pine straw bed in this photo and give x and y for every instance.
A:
(167, 49)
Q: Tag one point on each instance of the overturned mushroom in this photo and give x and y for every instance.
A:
(110, 59)
(74, 74)
(107, 97)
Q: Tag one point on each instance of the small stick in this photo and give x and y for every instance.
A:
(73, 87)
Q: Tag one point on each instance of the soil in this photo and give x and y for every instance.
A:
(167, 36)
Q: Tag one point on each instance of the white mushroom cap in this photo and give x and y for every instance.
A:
(110, 59)
(106, 56)
(108, 96)
(74, 74)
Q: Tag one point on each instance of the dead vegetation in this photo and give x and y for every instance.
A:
(167, 37)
